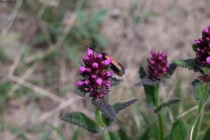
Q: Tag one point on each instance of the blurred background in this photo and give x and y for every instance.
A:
(41, 43)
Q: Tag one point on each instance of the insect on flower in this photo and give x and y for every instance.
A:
(115, 66)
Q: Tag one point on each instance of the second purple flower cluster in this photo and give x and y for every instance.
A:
(158, 66)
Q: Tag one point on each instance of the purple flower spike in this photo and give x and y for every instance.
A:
(158, 66)
(202, 49)
(96, 76)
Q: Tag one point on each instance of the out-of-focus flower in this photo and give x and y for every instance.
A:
(205, 78)
(202, 49)
(95, 75)
(158, 66)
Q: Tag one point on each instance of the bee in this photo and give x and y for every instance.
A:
(115, 66)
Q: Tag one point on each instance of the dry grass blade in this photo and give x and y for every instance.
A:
(37, 89)
(23, 77)
(15, 63)
(186, 112)
(11, 19)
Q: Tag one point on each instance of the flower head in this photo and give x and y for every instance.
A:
(205, 78)
(202, 49)
(157, 66)
(95, 75)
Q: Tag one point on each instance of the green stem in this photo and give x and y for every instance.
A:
(197, 125)
(160, 121)
(99, 120)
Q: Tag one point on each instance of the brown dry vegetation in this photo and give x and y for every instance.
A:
(38, 93)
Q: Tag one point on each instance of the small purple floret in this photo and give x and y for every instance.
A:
(79, 83)
(106, 62)
(95, 65)
(89, 52)
(82, 69)
(99, 81)
(99, 55)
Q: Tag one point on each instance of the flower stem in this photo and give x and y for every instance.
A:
(197, 124)
(160, 121)
(99, 120)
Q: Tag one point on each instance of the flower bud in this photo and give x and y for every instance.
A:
(82, 69)
(95, 65)
(99, 81)
(79, 83)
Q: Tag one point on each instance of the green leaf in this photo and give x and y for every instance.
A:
(114, 136)
(107, 121)
(171, 68)
(80, 92)
(165, 104)
(206, 70)
(207, 135)
(103, 105)
(179, 131)
(146, 81)
(115, 81)
(188, 63)
(142, 72)
(81, 120)
(148, 88)
(122, 105)
(150, 94)
(194, 47)
(201, 91)
(117, 107)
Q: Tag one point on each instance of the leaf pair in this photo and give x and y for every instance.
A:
(110, 112)
(109, 115)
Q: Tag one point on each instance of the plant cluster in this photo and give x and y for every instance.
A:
(97, 78)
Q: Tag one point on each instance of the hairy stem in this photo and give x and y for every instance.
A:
(159, 120)
(99, 120)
